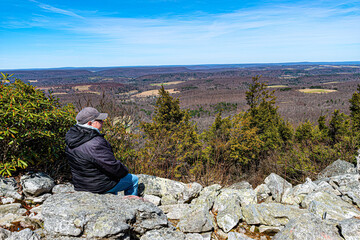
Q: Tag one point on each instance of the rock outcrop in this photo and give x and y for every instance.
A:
(327, 208)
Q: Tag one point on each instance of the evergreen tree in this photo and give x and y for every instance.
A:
(172, 143)
(272, 130)
(355, 109)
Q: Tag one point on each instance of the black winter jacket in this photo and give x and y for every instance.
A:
(93, 165)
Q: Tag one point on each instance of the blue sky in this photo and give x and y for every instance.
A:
(93, 33)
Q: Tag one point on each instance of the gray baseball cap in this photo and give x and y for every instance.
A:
(90, 114)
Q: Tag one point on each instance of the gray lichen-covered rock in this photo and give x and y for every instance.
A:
(25, 234)
(4, 234)
(309, 227)
(350, 228)
(339, 167)
(329, 206)
(228, 207)
(194, 236)
(238, 236)
(176, 211)
(270, 229)
(197, 221)
(349, 186)
(324, 186)
(38, 199)
(170, 191)
(9, 188)
(153, 199)
(262, 192)
(296, 194)
(99, 216)
(163, 234)
(36, 184)
(207, 196)
(272, 214)
(241, 185)
(277, 186)
(9, 208)
(63, 188)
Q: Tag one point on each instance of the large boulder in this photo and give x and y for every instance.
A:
(198, 220)
(339, 167)
(324, 186)
(228, 207)
(99, 216)
(329, 206)
(63, 188)
(296, 194)
(176, 211)
(277, 186)
(262, 192)
(350, 228)
(170, 191)
(271, 214)
(308, 226)
(36, 184)
(348, 185)
(207, 196)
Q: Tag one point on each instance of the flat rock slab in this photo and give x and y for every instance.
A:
(270, 214)
(329, 206)
(83, 214)
(310, 227)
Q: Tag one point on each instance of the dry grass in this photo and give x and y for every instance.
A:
(330, 82)
(128, 93)
(153, 93)
(82, 88)
(316, 90)
(167, 83)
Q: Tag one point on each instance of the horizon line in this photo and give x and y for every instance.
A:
(184, 65)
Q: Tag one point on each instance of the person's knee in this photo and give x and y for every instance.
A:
(135, 180)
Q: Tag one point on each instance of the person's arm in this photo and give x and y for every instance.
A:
(105, 160)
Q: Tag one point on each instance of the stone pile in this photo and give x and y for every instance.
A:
(326, 208)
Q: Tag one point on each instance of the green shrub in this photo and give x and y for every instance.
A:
(32, 126)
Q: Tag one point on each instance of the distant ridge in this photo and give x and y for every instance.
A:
(190, 67)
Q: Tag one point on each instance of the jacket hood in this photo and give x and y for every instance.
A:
(78, 135)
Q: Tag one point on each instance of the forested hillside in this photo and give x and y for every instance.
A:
(246, 145)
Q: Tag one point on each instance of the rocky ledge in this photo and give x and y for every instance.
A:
(326, 208)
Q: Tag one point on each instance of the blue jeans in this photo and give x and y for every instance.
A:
(129, 184)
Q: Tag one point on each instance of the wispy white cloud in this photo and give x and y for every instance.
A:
(56, 10)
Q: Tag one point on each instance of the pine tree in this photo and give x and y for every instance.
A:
(355, 109)
(172, 143)
(272, 130)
